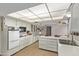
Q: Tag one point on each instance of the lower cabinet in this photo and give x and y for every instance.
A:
(26, 41)
(48, 44)
(23, 42)
(13, 44)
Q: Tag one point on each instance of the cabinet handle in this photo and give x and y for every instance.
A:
(2, 23)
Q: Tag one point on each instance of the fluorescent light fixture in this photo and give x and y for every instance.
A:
(45, 19)
(56, 18)
(15, 15)
(25, 19)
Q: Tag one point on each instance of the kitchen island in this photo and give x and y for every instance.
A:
(50, 42)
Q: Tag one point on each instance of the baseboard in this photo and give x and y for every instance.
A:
(48, 50)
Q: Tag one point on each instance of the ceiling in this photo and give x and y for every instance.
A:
(42, 12)
(7, 8)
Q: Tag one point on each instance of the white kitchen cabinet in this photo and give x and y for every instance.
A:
(48, 44)
(13, 39)
(13, 44)
(68, 50)
(65, 50)
(34, 39)
(75, 18)
(26, 41)
(31, 39)
(20, 44)
(13, 35)
(23, 42)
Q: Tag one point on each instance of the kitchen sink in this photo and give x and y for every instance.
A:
(67, 42)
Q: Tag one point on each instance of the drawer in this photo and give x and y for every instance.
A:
(51, 48)
(49, 43)
(13, 44)
(48, 40)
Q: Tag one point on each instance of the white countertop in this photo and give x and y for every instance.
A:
(26, 36)
(61, 37)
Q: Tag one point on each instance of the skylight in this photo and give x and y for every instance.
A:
(26, 13)
(41, 13)
(58, 13)
(57, 6)
(39, 9)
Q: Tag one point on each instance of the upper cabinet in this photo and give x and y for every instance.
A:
(75, 18)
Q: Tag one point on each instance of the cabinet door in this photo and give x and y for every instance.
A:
(65, 50)
(48, 44)
(11, 36)
(22, 40)
(14, 44)
(75, 18)
(30, 39)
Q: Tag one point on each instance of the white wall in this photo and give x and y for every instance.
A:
(16, 23)
(59, 29)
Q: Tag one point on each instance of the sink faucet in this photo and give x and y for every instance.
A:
(72, 39)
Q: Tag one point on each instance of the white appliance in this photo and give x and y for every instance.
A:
(13, 36)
